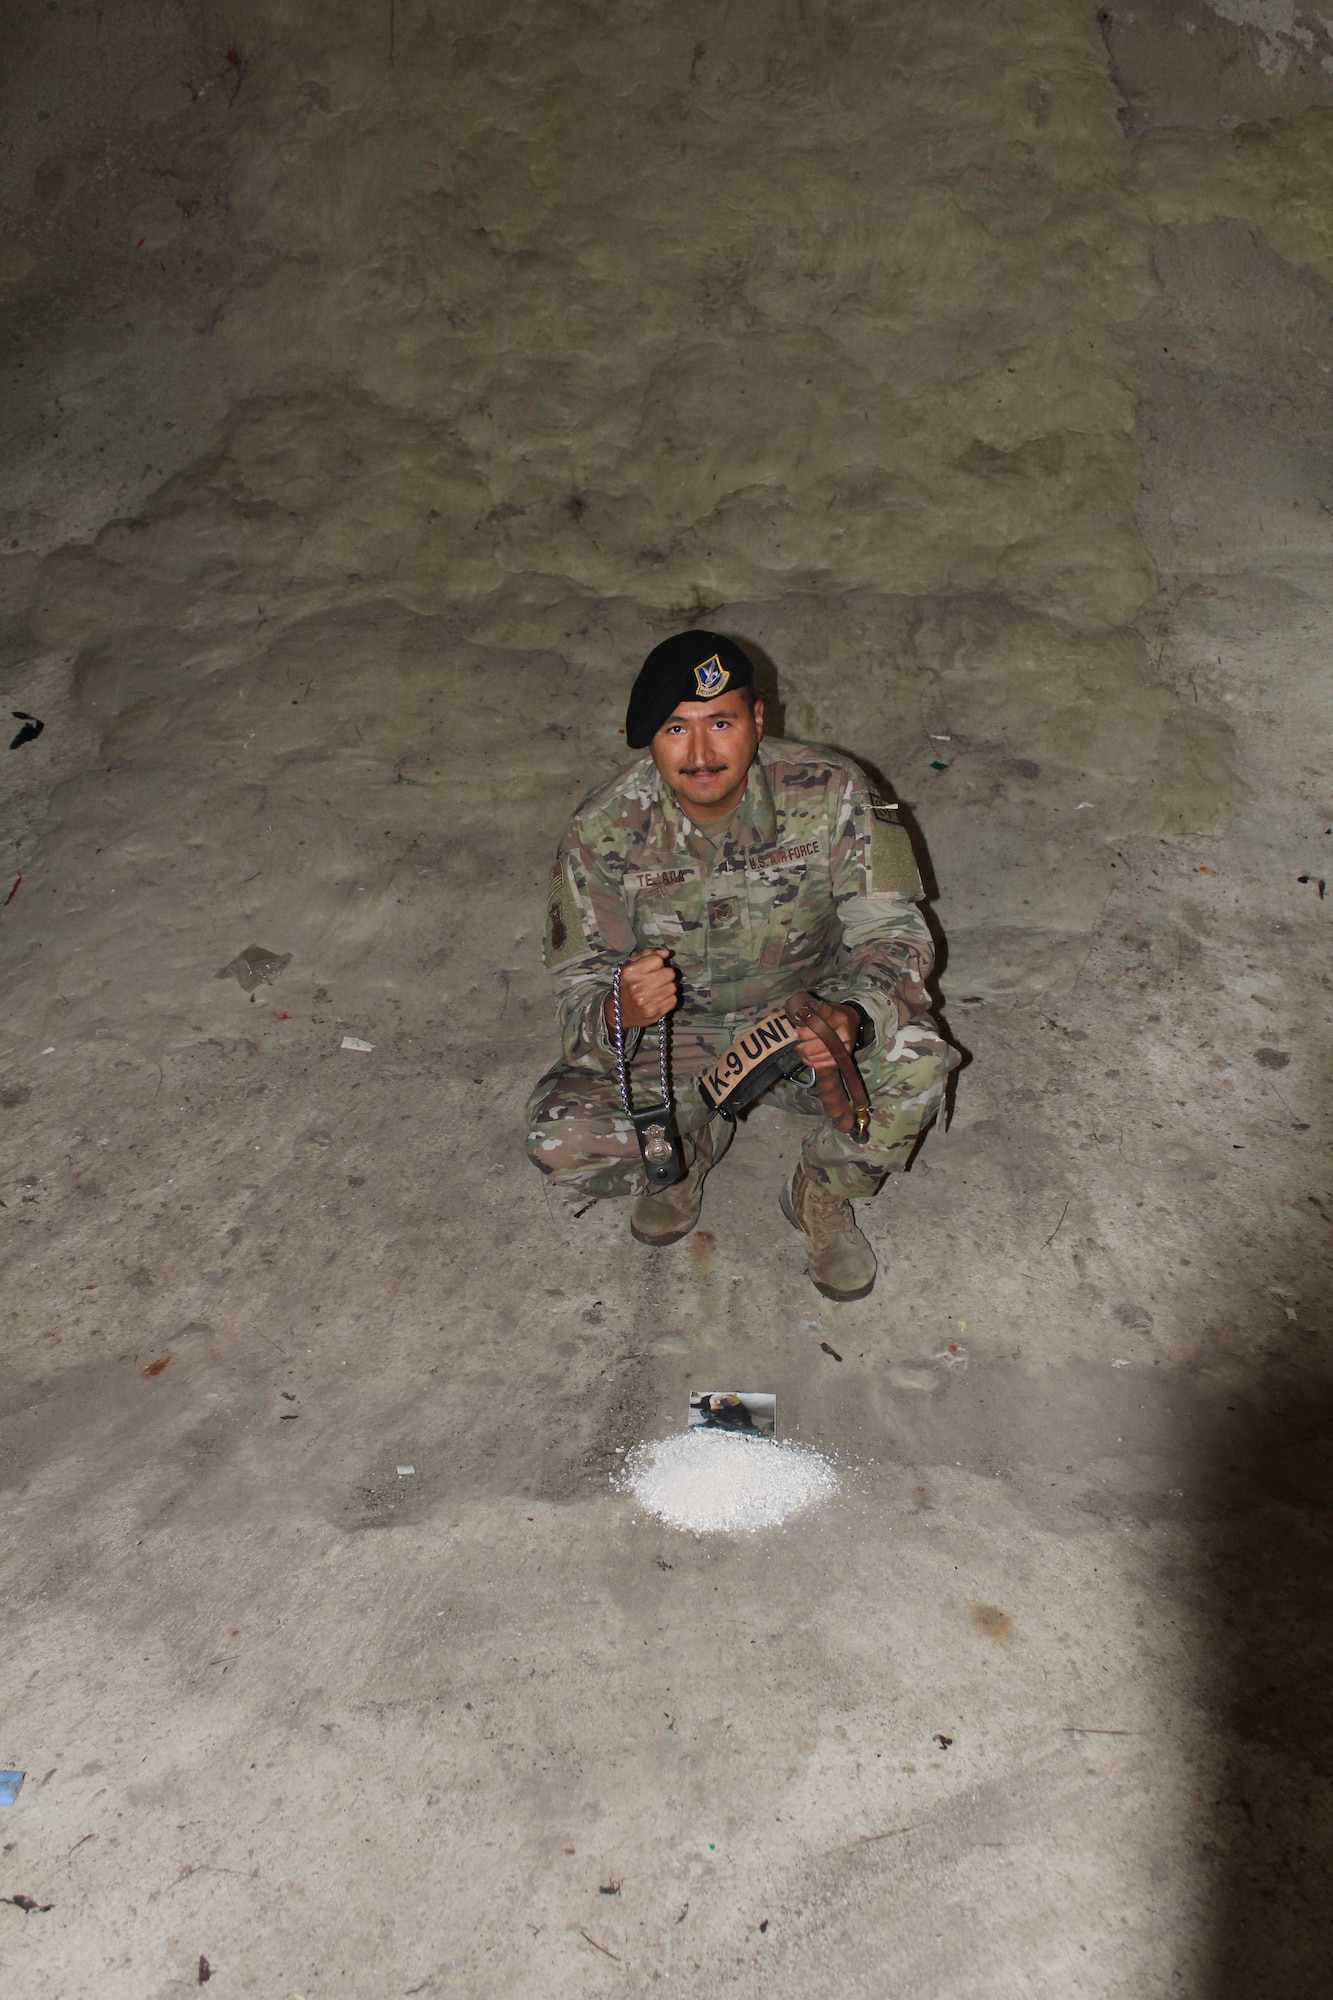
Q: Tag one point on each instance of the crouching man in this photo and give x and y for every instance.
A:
(722, 874)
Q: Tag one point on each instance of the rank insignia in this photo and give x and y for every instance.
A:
(711, 678)
(555, 916)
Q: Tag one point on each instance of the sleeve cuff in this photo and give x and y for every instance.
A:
(633, 1036)
(879, 1017)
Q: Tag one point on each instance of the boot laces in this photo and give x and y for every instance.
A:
(833, 1211)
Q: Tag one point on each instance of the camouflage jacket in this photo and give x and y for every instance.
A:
(813, 884)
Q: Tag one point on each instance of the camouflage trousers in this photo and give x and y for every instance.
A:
(578, 1132)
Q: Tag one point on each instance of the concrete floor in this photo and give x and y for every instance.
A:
(329, 559)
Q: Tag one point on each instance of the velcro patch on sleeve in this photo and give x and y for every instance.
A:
(565, 937)
(893, 869)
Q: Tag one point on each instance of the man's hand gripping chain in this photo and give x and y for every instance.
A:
(659, 1145)
(757, 1059)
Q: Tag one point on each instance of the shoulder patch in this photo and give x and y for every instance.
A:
(885, 809)
(564, 926)
(893, 869)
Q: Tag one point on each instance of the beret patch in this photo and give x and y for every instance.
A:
(710, 678)
(692, 666)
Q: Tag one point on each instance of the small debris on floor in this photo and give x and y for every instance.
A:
(255, 966)
(611, 1888)
(826, 1349)
(205, 1972)
(599, 1947)
(406, 1471)
(944, 1741)
(30, 731)
(28, 1904)
(355, 1042)
(288, 1416)
(10, 1783)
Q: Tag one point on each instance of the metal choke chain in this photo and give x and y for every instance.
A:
(654, 1127)
(663, 1047)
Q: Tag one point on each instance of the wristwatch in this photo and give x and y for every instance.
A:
(865, 1036)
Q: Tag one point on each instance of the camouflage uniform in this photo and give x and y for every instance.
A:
(810, 884)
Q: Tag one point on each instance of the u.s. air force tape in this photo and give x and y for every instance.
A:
(757, 1046)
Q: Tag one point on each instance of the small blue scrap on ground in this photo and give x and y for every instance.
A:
(9, 1786)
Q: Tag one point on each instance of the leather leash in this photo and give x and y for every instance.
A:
(841, 1092)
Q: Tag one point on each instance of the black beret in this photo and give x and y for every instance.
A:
(694, 666)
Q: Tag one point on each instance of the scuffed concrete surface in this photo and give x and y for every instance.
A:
(512, 336)
(372, 405)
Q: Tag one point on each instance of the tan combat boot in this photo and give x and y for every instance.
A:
(841, 1264)
(664, 1217)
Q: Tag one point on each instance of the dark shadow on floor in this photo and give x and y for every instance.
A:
(1266, 1584)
